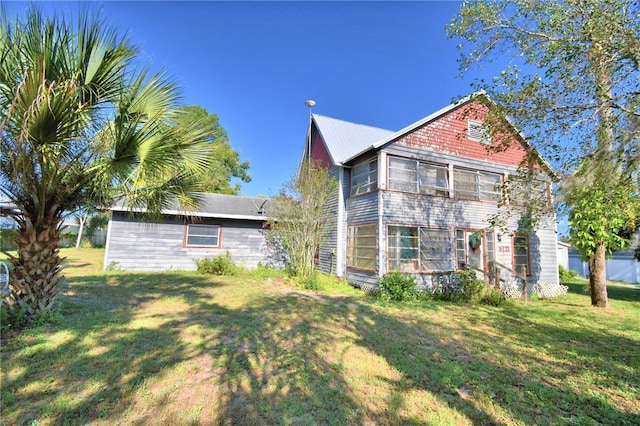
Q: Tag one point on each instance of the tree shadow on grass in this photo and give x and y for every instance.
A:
(294, 357)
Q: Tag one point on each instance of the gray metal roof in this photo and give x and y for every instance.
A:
(214, 205)
(345, 139)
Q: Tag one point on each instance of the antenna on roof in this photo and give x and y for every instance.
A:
(310, 103)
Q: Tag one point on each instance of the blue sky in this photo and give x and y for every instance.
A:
(385, 64)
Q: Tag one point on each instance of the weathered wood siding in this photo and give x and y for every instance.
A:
(141, 246)
(329, 242)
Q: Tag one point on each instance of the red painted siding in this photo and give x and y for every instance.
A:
(448, 134)
(319, 151)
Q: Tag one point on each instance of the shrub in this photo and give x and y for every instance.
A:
(218, 265)
(566, 274)
(311, 282)
(466, 287)
(12, 318)
(398, 286)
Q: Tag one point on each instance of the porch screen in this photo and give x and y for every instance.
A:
(419, 249)
(361, 247)
(476, 185)
(418, 177)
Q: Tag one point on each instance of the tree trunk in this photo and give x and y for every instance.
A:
(598, 277)
(35, 280)
(81, 221)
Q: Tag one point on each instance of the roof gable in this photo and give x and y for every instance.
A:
(343, 139)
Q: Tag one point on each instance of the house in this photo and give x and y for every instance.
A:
(223, 224)
(419, 200)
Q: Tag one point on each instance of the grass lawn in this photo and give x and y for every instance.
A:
(181, 348)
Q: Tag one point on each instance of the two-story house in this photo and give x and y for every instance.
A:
(419, 200)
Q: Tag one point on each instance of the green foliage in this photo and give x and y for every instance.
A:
(225, 161)
(566, 274)
(466, 287)
(310, 282)
(299, 216)
(398, 286)
(11, 319)
(217, 265)
(599, 214)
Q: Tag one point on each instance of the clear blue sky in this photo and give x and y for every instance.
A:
(385, 64)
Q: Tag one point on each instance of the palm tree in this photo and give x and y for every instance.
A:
(79, 125)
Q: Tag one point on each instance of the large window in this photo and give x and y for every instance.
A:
(476, 185)
(418, 177)
(521, 254)
(364, 177)
(362, 247)
(419, 249)
(203, 235)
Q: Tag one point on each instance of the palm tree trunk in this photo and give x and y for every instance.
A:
(598, 277)
(36, 277)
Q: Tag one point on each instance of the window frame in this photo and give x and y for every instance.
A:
(420, 261)
(514, 263)
(371, 174)
(187, 235)
(353, 257)
(397, 184)
(481, 191)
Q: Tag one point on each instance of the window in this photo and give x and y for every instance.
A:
(203, 235)
(418, 249)
(362, 247)
(473, 246)
(476, 185)
(364, 178)
(478, 132)
(418, 177)
(521, 254)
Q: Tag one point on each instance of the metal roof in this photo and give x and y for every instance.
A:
(214, 205)
(344, 139)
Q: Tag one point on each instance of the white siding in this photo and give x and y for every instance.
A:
(141, 246)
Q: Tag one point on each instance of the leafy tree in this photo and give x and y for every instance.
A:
(80, 124)
(225, 160)
(299, 215)
(572, 83)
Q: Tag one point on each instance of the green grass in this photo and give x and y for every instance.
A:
(182, 348)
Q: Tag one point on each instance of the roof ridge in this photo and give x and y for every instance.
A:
(353, 123)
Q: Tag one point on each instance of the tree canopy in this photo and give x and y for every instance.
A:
(571, 81)
(225, 161)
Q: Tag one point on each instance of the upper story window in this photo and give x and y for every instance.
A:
(364, 177)
(477, 185)
(202, 235)
(478, 132)
(418, 177)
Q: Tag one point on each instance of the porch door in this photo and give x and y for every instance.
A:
(470, 246)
